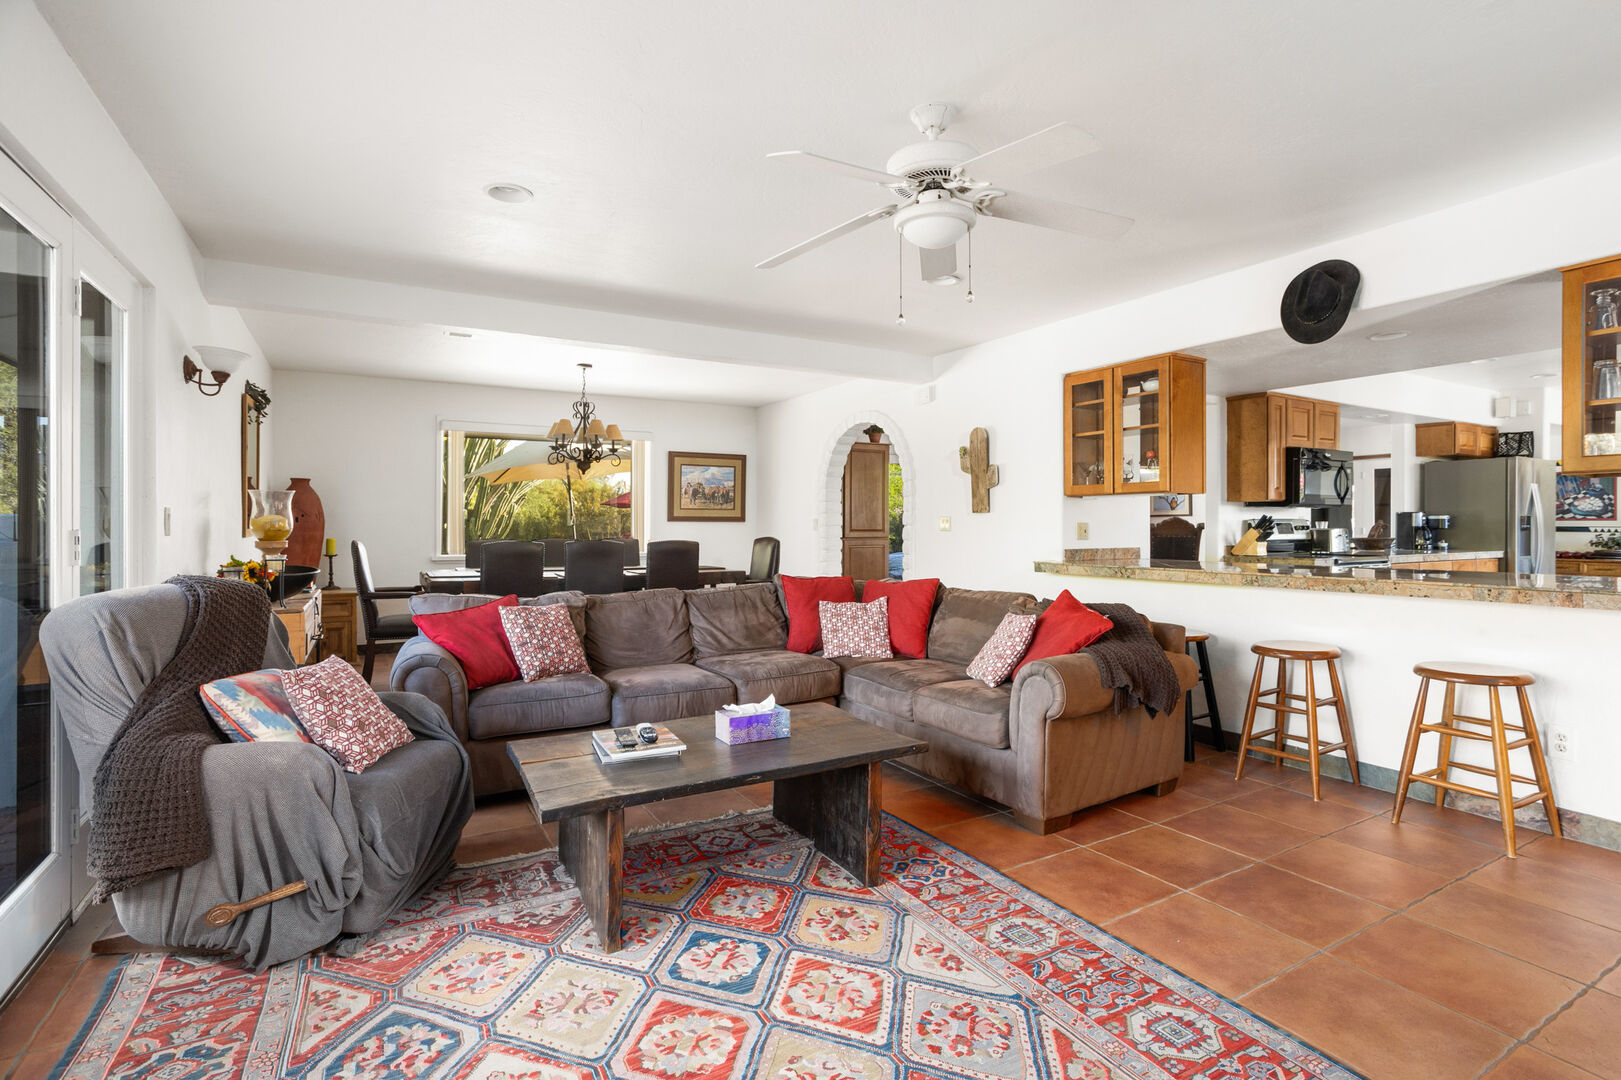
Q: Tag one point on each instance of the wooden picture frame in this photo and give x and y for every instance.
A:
(1171, 505)
(250, 457)
(707, 487)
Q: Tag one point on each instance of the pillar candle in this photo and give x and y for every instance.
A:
(331, 546)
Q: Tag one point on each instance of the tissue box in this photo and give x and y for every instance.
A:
(753, 728)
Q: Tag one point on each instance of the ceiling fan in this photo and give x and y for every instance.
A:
(942, 188)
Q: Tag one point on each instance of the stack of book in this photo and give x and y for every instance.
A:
(608, 749)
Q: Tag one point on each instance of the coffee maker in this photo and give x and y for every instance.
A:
(1421, 532)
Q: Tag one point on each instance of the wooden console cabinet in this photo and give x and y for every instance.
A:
(1260, 427)
(1454, 440)
(301, 614)
(1136, 427)
(340, 618)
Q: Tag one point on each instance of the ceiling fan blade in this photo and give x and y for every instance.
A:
(860, 172)
(821, 238)
(938, 262)
(1052, 214)
(1049, 146)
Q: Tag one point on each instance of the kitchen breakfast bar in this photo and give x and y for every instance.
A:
(1565, 629)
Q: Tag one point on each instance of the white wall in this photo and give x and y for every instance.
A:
(185, 448)
(370, 449)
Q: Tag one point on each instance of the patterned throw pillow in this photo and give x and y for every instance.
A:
(543, 641)
(1005, 648)
(343, 715)
(856, 629)
(252, 708)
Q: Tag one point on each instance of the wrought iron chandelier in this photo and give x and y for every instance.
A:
(585, 441)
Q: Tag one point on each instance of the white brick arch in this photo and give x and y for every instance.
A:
(830, 513)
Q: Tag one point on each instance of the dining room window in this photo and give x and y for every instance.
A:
(499, 486)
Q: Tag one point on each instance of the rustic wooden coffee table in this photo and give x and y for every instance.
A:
(825, 784)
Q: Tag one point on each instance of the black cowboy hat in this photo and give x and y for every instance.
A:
(1318, 300)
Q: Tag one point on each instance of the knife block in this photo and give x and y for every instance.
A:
(1248, 544)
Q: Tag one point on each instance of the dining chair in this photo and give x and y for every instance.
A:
(380, 629)
(554, 550)
(633, 551)
(672, 564)
(594, 566)
(763, 560)
(514, 566)
(1175, 538)
(474, 551)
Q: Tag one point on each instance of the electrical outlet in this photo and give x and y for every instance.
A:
(945, 524)
(1083, 531)
(1559, 741)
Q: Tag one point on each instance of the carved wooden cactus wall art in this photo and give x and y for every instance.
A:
(975, 459)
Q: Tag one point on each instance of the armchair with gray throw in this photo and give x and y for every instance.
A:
(340, 851)
(380, 629)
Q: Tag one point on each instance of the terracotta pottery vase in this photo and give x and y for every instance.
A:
(304, 547)
(875, 436)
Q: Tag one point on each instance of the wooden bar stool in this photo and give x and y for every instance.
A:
(1196, 640)
(1454, 674)
(1310, 653)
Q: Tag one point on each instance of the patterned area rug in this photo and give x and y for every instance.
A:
(747, 954)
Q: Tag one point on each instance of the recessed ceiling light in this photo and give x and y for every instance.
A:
(459, 333)
(1388, 335)
(1545, 375)
(1483, 360)
(509, 193)
(1381, 416)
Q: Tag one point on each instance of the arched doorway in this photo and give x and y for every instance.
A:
(836, 450)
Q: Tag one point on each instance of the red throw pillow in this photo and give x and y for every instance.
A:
(910, 605)
(1066, 626)
(800, 596)
(474, 636)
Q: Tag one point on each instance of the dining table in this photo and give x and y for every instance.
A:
(463, 579)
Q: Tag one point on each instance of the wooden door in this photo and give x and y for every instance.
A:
(1297, 422)
(1325, 425)
(866, 511)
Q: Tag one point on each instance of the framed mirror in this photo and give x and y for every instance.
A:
(251, 418)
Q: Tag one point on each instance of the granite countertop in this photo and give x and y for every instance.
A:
(1396, 558)
(1549, 590)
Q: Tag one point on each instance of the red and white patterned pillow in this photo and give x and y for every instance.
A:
(543, 641)
(856, 629)
(342, 714)
(1005, 648)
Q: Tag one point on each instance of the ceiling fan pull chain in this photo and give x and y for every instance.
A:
(900, 280)
(970, 297)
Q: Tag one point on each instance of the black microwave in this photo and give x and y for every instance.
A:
(1313, 477)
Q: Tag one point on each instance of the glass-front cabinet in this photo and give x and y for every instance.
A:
(1088, 405)
(1592, 369)
(1135, 427)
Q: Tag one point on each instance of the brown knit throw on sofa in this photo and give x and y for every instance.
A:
(1131, 662)
(150, 816)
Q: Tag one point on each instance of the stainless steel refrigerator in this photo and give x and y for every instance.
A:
(1504, 502)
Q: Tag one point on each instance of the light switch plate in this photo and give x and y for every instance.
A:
(1083, 531)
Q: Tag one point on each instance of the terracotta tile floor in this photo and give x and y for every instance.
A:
(1404, 951)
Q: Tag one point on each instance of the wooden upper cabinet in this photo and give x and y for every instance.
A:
(1136, 427)
(1591, 368)
(1298, 427)
(1454, 439)
(1260, 427)
(1325, 425)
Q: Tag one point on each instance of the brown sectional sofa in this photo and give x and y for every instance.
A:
(1046, 744)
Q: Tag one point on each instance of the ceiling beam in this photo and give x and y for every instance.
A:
(245, 285)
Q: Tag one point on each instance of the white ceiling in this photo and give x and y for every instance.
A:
(352, 347)
(354, 139)
(1514, 321)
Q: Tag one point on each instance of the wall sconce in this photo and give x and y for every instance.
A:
(221, 363)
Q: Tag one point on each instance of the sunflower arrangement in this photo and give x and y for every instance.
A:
(255, 571)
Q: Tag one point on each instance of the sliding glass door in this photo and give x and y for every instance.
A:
(35, 875)
(65, 333)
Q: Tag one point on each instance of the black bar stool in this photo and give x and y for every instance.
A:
(1196, 641)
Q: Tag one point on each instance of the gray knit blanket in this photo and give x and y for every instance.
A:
(1131, 662)
(149, 816)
